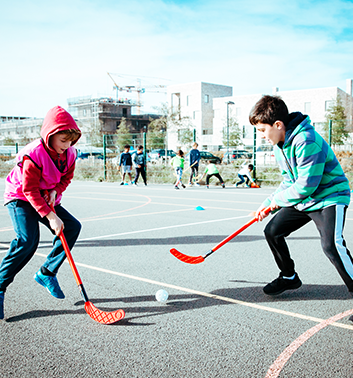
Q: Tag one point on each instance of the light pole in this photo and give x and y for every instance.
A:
(228, 103)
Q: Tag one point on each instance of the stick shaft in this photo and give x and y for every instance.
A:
(70, 259)
(230, 237)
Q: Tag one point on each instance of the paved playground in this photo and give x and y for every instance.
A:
(216, 323)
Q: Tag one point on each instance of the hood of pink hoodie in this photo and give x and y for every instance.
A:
(57, 119)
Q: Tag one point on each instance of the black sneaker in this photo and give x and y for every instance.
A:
(280, 284)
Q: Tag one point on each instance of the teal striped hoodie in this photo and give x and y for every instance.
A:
(312, 176)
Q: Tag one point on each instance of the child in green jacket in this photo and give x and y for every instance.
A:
(314, 188)
(212, 170)
(177, 163)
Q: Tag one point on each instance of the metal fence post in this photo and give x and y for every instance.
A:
(254, 154)
(105, 156)
(145, 153)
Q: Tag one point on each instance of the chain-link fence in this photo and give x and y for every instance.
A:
(100, 163)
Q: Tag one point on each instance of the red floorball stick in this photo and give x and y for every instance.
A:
(199, 259)
(96, 314)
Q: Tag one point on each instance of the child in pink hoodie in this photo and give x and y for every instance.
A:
(46, 164)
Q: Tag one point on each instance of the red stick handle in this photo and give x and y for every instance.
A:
(241, 229)
(70, 259)
(68, 254)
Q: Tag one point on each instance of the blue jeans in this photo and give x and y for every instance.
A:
(179, 173)
(242, 179)
(25, 220)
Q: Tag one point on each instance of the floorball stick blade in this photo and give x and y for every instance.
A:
(103, 317)
(186, 259)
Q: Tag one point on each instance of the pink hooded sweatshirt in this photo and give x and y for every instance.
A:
(57, 119)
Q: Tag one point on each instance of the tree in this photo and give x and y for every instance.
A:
(123, 135)
(234, 134)
(155, 139)
(337, 114)
(170, 120)
(185, 137)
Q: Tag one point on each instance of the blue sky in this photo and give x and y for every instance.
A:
(52, 51)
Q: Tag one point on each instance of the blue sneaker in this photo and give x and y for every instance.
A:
(2, 304)
(50, 283)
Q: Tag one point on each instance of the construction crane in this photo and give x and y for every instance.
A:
(139, 90)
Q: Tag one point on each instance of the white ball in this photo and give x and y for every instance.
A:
(162, 295)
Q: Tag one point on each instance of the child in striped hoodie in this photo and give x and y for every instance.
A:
(314, 187)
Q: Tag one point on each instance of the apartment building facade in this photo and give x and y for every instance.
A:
(212, 120)
(104, 114)
(195, 101)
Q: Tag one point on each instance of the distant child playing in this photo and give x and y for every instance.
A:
(211, 170)
(46, 164)
(140, 165)
(244, 174)
(194, 160)
(314, 188)
(125, 164)
(178, 164)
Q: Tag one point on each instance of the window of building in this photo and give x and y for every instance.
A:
(196, 114)
(84, 112)
(207, 132)
(328, 104)
(124, 112)
(188, 100)
(207, 99)
(238, 112)
(307, 107)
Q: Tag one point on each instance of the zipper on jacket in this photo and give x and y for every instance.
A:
(288, 165)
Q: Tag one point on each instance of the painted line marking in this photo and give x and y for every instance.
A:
(160, 228)
(142, 231)
(209, 295)
(149, 200)
(277, 366)
(165, 203)
(158, 197)
(100, 217)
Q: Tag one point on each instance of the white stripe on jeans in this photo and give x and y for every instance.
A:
(342, 250)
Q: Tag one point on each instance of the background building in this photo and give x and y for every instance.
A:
(104, 114)
(206, 105)
(195, 101)
(20, 130)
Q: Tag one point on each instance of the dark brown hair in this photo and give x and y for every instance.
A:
(72, 134)
(268, 110)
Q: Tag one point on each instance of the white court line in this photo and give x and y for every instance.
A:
(162, 228)
(148, 230)
(209, 295)
(158, 197)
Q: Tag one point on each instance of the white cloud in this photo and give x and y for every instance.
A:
(53, 51)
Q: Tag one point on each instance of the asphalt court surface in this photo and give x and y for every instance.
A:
(216, 323)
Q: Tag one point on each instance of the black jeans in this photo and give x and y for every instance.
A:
(194, 172)
(329, 222)
(214, 174)
(141, 171)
